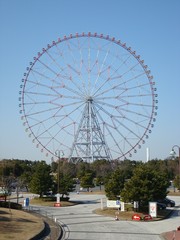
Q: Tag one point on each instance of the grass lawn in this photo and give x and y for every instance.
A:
(17, 224)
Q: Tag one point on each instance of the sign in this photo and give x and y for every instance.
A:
(26, 202)
(147, 217)
(113, 203)
(136, 217)
(58, 198)
(3, 191)
(57, 204)
(122, 207)
(136, 204)
(153, 209)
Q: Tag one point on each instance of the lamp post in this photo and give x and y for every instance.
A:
(173, 153)
(59, 154)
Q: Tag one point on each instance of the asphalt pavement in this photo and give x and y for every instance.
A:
(79, 222)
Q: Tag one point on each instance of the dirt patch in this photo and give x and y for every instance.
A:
(20, 225)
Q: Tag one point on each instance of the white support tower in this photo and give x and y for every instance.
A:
(147, 154)
(89, 142)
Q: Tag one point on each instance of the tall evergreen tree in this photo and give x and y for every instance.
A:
(66, 184)
(146, 185)
(114, 184)
(42, 180)
(87, 180)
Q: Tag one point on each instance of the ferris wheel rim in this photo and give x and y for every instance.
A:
(100, 36)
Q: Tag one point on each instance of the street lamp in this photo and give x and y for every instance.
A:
(173, 153)
(59, 154)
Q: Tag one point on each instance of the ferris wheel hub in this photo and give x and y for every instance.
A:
(89, 99)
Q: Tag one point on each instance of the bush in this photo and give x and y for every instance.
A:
(53, 199)
(64, 199)
(11, 205)
(48, 199)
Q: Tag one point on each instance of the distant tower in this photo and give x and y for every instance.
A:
(147, 154)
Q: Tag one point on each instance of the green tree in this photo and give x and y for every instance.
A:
(114, 184)
(67, 168)
(177, 182)
(66, 184)
(99, 181)
(87, 180)
(146, 185)
(42, 180)
(82, 169)
(101, 168)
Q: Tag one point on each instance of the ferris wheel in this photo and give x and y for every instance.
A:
(90, 96)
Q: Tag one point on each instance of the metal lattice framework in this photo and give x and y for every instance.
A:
(90, 96)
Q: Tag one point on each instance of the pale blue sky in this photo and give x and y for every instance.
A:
(152, 28)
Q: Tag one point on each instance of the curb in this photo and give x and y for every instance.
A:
(50, 229)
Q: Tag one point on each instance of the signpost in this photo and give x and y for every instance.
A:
(113, 204)
(153, 209)
(58, 203)
(26, 202)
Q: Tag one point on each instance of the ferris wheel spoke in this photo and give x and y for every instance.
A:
(89, 68)
(70, 78)
(37, 123)
(48, 129)
(42, 94)
(36, 73)
(77, 86)
(56, 114)
(125, 127)
(55, 61)
(106, 104)
(113, 118)
(82, 83)
(120, 110)
(73, 68)
(47, 67)
(108, 127)
(129, 70)
(120, 134)
(99, 73)
(110, 76)
(135, 96)
(71, 90)
(138, 123)
(70, 51)
(118, 86)
(40, 112)
(55, 135)
(35, 84)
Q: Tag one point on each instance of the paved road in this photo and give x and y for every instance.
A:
(79, 222)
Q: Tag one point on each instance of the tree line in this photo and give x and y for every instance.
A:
(133, 180)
